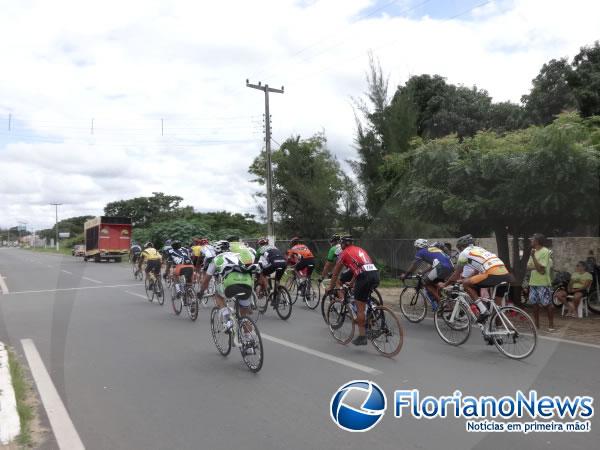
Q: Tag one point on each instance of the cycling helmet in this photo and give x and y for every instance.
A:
(295, 240)
(465, 241)
(148, 244)
(176, 244)
(262, 241)
(222, 246)
(421, 243)
(348, 239)
(168, 242)
(202, 241)
(334, 239)
(233, 239)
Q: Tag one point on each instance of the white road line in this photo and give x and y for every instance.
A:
(62, 426)
(3, 286)
(92, 280)
(66, 271)
(318, 354)
(72, 289)
(137, 295)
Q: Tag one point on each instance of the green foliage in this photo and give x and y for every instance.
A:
(73, 225)
(306, 185)
(145, 210)
(584, 80)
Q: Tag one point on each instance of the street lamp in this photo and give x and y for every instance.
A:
(56, 223)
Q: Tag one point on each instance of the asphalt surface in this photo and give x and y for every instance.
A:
(134, 376)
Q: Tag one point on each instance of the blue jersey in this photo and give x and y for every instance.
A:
(431, 254)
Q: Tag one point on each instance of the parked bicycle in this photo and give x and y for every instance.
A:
(509, 328)
(382, 326)
(243, 334)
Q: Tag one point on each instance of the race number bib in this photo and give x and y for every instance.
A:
(369, 267)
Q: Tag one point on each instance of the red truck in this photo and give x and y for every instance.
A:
(107, 238)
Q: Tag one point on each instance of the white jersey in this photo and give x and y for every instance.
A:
(478, 260)
(208, 251)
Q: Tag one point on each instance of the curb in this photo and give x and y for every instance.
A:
(10, 425)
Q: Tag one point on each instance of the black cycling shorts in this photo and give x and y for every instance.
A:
(364, 284)
(493, 280)
(154, 266)
(346, 276)
(308, 263)
(277, 267)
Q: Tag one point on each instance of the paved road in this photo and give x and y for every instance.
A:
(134, 376)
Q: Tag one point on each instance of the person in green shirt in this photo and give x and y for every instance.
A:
(578, 286)
(540, 290)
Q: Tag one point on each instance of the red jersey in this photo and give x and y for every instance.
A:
(357, 260)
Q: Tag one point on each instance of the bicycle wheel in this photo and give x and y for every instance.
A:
(294, 290)
(192, 305)
(555, 301)
(594, 301)
(251, 348)
(341, 322)
(176, 301)
(159, 292)
(452, 322)
(376, 297)
(514, 334)
(310, 296)
(149, 290)
(413, 304)
(385, 331)
(221, 338)
(262, 302)
(327, 299)
(282, 303)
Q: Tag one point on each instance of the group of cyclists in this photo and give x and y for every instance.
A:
(238, 268)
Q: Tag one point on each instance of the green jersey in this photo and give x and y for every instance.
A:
(334, 252)
(246, 254)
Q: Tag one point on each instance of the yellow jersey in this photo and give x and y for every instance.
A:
(151, 254)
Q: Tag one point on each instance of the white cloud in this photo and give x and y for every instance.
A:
(129, 64)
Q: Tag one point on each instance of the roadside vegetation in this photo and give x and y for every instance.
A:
(23, 391)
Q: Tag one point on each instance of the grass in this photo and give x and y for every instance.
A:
(22, 389)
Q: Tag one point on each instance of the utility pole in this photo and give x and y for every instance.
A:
(56, 205)
(266, 89)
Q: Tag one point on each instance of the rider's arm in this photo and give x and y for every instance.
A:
(326, 268)
(411, 269)
(455, 275)
(336, 272)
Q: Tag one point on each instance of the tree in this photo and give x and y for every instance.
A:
(508, 184)
(351, 209)
(584, 80)
(551, 93)
(144, 210)
(306, 185)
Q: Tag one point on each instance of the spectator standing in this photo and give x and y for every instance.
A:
(540, 282)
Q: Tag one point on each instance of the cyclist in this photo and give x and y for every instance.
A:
(180, 258)
(134, 252)
(153, 260)
(300, 256)
(233, 280)
(365, 277)
(270, 260)
(245, 253)
(196, 249)
(207, 254)
(479, 268)
(330, 260)
(441, 267)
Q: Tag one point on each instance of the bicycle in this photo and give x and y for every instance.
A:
(382, 326)
(184, 296)
(278, 297)
(243, 334)
(154, 288)
(413, 300)
(456, 315)
(209, 293)
(302, 286)
(138, 273)
(330, 297)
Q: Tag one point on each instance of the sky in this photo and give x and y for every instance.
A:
(102, 101)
